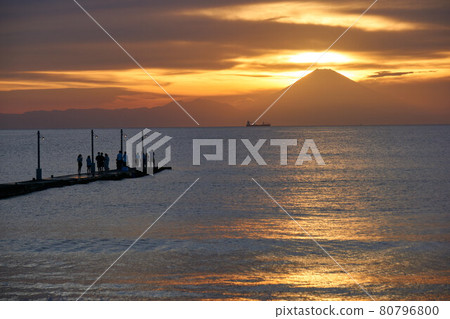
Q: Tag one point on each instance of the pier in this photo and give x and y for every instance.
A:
(21, 188)
(38, 184)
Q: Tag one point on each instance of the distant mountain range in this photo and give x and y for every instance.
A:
(206, 112)
(324, 97)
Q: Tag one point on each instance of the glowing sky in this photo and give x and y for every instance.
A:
(54, 57)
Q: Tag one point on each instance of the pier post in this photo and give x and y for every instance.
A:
(121, 141)
(39, 170)
(92, 153)
(154, 169)
(144, 163)
(142, 153)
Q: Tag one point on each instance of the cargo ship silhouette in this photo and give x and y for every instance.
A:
(254, 124)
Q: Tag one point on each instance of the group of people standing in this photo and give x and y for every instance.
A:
(121, 160)
(102, 163)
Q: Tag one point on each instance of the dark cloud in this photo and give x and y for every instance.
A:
(18, 101)
(382, 74)
(54, 77)
(432, 12)
(57, 35)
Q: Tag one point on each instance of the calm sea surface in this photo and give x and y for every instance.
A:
(380, 206)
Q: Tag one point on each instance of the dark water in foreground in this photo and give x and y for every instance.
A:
(380, 207)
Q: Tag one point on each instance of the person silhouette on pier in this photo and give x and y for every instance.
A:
(99, 160)
(144, 162)
(119, 161)
(106, 162)
(80, 163)
(102, 162)
(89, 164)
(137, 160)
(124, 159)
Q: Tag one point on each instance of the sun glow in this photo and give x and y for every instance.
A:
(320, 57)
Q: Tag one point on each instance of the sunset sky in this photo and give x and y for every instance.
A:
(54, 57)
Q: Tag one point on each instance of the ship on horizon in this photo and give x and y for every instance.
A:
(255, 124)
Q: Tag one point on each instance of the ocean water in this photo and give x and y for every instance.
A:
(380, 206)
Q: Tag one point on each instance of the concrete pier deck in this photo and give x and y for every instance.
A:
(26, 187)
